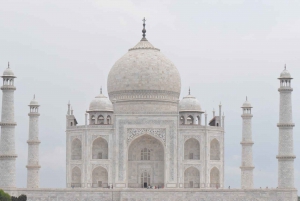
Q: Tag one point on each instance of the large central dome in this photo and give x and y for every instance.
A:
(144, 73)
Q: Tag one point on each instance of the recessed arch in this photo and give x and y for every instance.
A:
(100, 119)
(100, 177)
(190, 119)
(182, 120)
(76, 177)
(93, 119)
(100, 149)
(76, 149)
(152, 149)
(108, 119)
(192, 178)
(215, 177)
(215, 150)
(192, 149)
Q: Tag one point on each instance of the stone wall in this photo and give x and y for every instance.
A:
(157, 194)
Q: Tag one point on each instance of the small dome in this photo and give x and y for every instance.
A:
(34, 101)
(247, 104)
(101, 103)
(285, 74)
(189, 103)
(8, 72)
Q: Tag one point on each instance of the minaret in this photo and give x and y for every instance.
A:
(7, 144)
(285, 151)
(247, 161)
(33, 178)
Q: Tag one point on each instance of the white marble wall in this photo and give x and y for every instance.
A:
(156, 195)
(7, 143)
(285, 152)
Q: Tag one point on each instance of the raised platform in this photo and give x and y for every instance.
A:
(81, 194)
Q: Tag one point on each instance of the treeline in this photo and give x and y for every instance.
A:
(6, 197)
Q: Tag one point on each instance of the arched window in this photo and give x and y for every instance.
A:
(108, 119)
(199, 120)
(76, 177)
(100, 149)
(145, 179)
(71, 123)
(214, 178)
(76, 149)
(191, 178)
(190, 120)
(214, 150)
(100, 119)
(192, 149)
(100, 177)
(93, 119)
(145, 154)
(182, 120)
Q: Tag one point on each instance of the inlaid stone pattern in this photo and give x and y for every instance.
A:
(133, 133)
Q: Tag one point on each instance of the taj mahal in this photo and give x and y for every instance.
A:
(141, 142)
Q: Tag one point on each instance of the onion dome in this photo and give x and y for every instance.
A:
(34, 102)
(285, 74)
(246, 104)
(144, 73)
(189, 104)
(101, 103)
(8, 72)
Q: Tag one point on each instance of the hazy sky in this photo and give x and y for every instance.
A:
(223, 49)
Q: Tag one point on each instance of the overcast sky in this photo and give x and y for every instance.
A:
(224, 50)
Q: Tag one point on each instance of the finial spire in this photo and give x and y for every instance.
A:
(189, 90)
(33, 96)
(284, 66)
(101, 90)
(144, 30)
(246, 98)
(8, 65)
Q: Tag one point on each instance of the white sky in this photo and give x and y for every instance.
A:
(224, 50)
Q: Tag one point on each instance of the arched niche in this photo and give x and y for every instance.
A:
(215, 150)
(100, 177)
(215, 177)
(146, 154)
(192, 149)
(191, 178)
(76, 150)
(100, 149)
(76, 177)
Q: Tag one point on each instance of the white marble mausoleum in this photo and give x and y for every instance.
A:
(141, 135)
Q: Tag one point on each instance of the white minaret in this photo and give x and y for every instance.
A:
(33, 178)
(285, 150)
(7, 144)
(247, 161)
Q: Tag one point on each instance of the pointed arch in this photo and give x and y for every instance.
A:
(76, 149)
(93, 119)
(190, 119)
(108, 119)
(100, 119)
(191, 178)
(182, 120)
(100, 177)
(215, 177)
(215, 150)
(146, 154)
(76, 177)
(100, 149)
(192, 149)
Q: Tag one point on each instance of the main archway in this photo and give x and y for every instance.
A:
(145, 162)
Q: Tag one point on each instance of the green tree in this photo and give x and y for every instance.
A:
(22, 197)
(4, 196)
